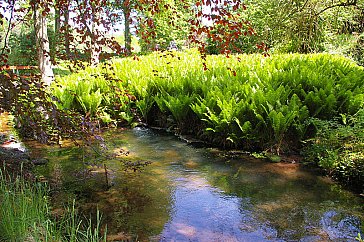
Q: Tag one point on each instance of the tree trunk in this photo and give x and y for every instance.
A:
(127, 34)
(57, 26)
(95, 36)
(44, 58)
(67, 31)
(95, 48)
(57, 19)
(95, 53)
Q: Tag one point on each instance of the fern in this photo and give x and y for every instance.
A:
(242, 99)
(90, 102)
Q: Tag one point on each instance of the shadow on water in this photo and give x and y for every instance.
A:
(194, 194)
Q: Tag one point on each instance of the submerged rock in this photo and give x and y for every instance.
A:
(40, 161)
(189, 139)
(13, 154)
(273, 158)
(15, 163)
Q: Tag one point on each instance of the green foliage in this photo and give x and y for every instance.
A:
(23, 49)
(25, 216)
(220, 115)
(170, 23)
(23, 46)
(95, 93)
(245, 42)
(340, 43)
(358, 50)
(179, 106)
(245, 100)
(90, 102)
(338, 147)
(304, 26)
(358, 238)
(134, 42)
(65, 96)
(144, 106)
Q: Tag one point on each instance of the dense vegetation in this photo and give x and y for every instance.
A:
(245, 101)
(338, 148)
(25, 215)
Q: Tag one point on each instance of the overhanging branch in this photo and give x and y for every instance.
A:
(341, 4)
(83, 19)
(9, 28)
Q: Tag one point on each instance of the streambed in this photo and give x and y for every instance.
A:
(193, 194)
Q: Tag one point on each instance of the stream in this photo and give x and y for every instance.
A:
(197, 194)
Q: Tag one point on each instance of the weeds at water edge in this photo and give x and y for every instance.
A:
(25, 215)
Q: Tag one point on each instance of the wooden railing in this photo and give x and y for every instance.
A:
(18, 68)
(18, 71)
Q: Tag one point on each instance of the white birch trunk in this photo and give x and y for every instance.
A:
(95, 48)
(95, 53)
(44, 58)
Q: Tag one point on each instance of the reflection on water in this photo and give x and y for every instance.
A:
(190, 194)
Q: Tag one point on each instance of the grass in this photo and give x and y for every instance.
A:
(25, 215)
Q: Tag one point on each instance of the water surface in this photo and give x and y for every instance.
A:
(195, 194)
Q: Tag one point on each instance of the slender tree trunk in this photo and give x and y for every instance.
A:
(127, 34)
(44, 58)
(57, 19)
(106, 176)
(95, 36)
(67, 31)
(57, 26)
(95, 54)
(95, 48)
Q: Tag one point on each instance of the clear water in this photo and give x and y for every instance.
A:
(194, 194)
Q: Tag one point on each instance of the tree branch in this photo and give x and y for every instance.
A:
(88, 30)
(341, 4)
(9, 28)
(300, 10)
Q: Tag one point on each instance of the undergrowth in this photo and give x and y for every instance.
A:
(338, 148)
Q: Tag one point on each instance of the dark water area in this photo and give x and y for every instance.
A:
(195, 194)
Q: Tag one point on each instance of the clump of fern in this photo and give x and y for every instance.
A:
(96, 93)
(242, 101)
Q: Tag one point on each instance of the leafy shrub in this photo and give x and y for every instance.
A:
(23, 47)
(338, 148)
(358, 50)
